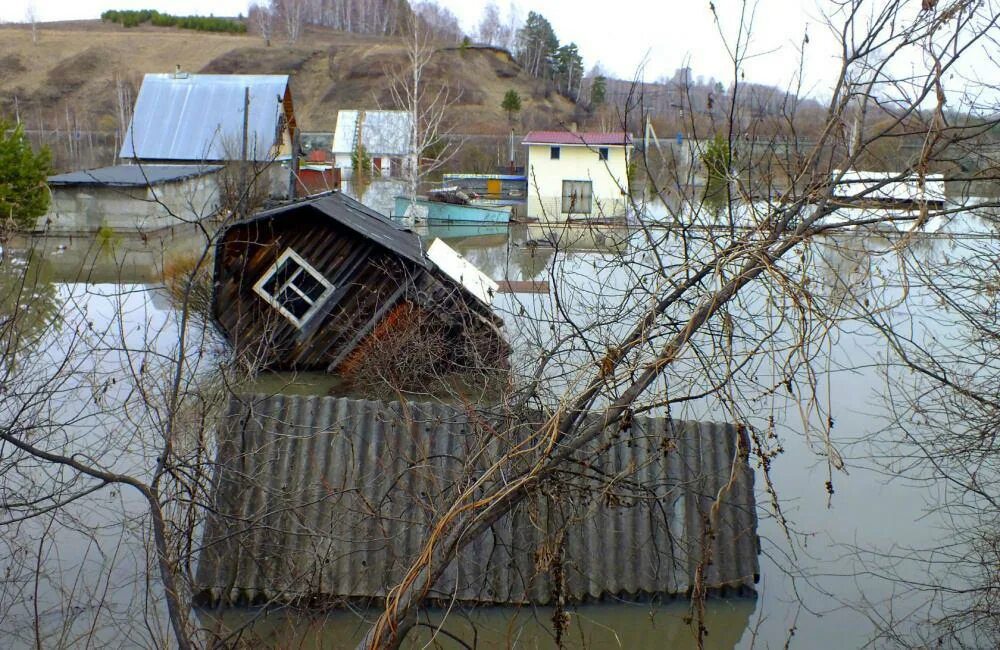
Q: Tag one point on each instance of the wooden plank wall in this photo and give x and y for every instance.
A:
(257, 329)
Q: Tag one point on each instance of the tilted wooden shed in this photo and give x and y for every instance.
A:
(315, 284)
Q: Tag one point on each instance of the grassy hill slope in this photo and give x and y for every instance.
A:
(74, 73)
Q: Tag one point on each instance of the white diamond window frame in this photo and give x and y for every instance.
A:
(289, 284)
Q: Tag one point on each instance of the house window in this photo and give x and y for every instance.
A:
(602, 153)
(554, 153)
(576, 197)
(293, 287)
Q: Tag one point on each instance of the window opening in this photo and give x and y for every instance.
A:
(293, 287)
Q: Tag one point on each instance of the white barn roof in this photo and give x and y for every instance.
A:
(383, 133)
(200, 117)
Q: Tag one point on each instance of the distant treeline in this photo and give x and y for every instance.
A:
(134, 18)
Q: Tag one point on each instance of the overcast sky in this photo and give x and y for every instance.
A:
(621, 35)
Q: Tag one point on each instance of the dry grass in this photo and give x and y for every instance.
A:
(74, 66)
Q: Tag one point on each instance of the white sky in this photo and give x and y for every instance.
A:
(621, 35)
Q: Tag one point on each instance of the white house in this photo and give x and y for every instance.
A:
(577, 175)
(385, 137)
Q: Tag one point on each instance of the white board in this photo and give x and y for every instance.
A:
(462, 271)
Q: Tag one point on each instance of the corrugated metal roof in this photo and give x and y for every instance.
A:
(578, 138)
(200, 117)
(133, 175)
(383, 133)
(359, 218)
(333, 497)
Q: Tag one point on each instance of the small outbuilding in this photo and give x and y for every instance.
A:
(385, 137)
(887, 189)
(129, 198)
(577, 176)
(322, 284)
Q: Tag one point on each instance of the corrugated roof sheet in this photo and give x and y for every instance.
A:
(359, 218)
(333, 497)
(579, 138)
(133, 175)
(200, 117)
(383, 133)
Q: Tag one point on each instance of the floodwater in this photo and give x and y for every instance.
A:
(819, 586)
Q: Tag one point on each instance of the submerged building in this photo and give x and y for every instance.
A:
(130, 198)
(328, 501)
(319, 284)
(186, 130)
(577, 176)
(385, 138)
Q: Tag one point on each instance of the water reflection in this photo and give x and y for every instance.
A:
(118, 285)
(29, 303)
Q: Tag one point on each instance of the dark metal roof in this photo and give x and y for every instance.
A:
(361, 219)
(333, 497)
(200, 117)
(133, 175)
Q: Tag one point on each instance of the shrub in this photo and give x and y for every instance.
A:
(134, 18)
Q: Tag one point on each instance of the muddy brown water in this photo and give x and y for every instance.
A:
(814, 589)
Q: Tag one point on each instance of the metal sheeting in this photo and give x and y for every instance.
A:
(383, 133)
(200, 117)
(332, 498)
(133, 175)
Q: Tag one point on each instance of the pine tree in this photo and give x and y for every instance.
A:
(598, 90)
(511, 103)
(537, 46)
(24, 195)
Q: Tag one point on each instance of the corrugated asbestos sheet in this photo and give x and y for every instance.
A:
(329, 499)
(383, 133)
(133, 175)
(200, 117)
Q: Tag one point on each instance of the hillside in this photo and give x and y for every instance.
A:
(75, 71)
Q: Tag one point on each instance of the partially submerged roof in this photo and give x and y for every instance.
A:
(132, 175)
(354, 215)
(200, 117)
(585, 139)
(332, 498)
(383, 133)
(888, 186)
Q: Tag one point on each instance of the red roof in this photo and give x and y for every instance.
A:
(580, 138)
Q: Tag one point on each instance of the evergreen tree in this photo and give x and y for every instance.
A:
(511, 103)
(569, 69)
(537, 46)
(24, 196)
(598, 90)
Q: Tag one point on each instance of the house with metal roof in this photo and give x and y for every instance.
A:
(328, 501)
(385, 136)
(327, 283)
(197, 118)
(577, 176)
(130, 198)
